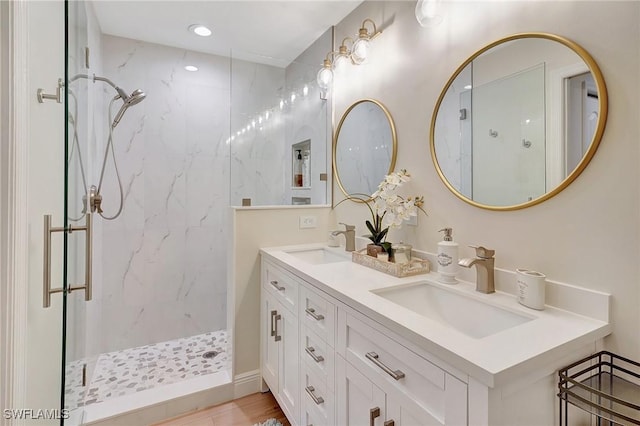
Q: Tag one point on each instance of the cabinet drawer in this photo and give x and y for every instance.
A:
(391, 365)
(318, 402)
(282, 285)
(317, 356)
(318, 315)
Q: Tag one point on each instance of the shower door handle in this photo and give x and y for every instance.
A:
(46, 278)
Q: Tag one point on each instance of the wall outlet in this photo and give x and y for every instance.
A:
(307, 222)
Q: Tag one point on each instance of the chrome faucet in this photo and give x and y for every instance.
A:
(484, 262)
(349, 236)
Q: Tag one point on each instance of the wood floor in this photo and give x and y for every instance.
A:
(245, 411)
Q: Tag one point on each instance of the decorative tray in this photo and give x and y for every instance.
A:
(415, 267)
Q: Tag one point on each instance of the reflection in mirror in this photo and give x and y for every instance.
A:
(518, 121)
(365, 148)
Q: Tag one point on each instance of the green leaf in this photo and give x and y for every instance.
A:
(374, 231)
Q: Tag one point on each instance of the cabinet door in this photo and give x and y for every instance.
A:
(400, 413)
(270, 310)
(286, 327)
(359, 401)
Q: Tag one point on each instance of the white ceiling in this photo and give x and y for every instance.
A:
(270, 32)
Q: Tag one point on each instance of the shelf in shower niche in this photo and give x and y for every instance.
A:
(415, 267)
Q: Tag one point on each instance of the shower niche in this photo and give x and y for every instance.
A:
(301, 165)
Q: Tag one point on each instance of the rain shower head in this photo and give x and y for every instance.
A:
(136, 97)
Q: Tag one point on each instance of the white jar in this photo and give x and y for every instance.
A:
(531, 288)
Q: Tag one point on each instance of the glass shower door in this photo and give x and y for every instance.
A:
(78, 220)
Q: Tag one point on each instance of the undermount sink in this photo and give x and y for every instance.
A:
(463, 313)
(319, 256)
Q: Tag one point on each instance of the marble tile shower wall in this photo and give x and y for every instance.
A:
(309, 120)
(258, 145)
(164, 259)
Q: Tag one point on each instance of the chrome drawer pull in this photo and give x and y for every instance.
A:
(313, 314)
(276, 337)
(373, 414)
(311, 351)
(317, 399)
(373, 357)
(273, 330)
(275, 284)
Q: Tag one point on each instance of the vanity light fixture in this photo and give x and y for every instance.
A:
(191, 68)
(360, 48)
(343, 56)
(428, 13)
(337, 60)
(200, 30)
(325, 75)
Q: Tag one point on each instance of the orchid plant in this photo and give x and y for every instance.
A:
(390, 209)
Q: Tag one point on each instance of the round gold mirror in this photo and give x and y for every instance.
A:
(518, 121)
(364, 148)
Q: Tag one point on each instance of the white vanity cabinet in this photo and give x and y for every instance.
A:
(280, 358)
(417, 392)
(334, 352)
(349, 372)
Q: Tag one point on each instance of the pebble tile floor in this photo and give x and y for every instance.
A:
(132, 370)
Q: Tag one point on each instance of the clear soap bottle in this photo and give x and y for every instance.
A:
(447, 258)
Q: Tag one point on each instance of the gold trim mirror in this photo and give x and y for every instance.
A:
(364, 149)
(518, 121)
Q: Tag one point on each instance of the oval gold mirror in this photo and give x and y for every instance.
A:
(518, 121)
(364, 148)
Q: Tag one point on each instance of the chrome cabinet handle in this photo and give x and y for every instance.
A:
(276, 319)
(273, 330)
(312, 312)
(373, 414)
(389, 423)
(396, 374)
(275, 284)
(311, 351)
(46, 276)
(317, 399)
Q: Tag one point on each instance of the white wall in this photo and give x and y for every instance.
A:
(588, 235)
(254, 228)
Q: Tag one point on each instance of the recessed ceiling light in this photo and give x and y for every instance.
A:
(191, 68)
(200, 30)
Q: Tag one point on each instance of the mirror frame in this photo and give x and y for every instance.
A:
(595, 142)
(334, 149)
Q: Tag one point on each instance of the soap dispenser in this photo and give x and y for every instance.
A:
(297, 169)
(447, 258)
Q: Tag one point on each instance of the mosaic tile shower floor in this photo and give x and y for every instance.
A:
(132, 370)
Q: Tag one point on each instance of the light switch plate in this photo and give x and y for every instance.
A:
(307, 222)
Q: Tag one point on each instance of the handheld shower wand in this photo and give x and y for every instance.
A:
(127, 100)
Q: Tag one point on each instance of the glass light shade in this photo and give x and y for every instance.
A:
(324, 78)
(427, 13)
(360, 51)
(340, 62)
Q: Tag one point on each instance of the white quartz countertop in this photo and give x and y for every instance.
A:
(493, 360)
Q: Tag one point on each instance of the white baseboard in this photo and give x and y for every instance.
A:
(247, 383)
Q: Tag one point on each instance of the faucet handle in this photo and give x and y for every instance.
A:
(348, 227)
(483, 253)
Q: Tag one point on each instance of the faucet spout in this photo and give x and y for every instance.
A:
(485, 263)
(349, 235)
